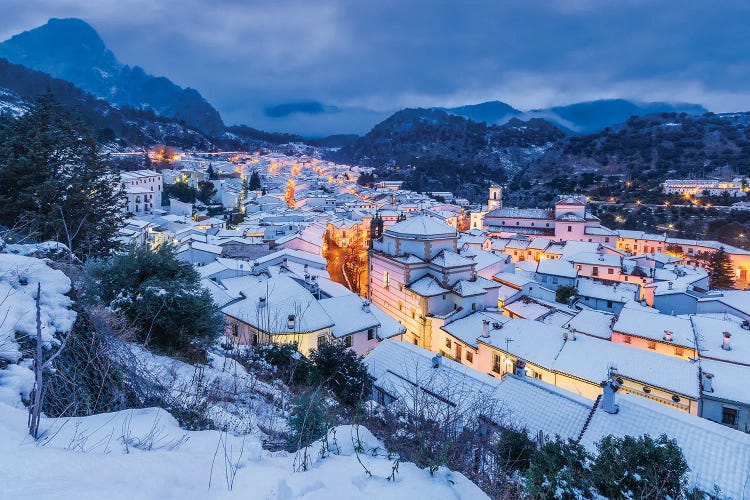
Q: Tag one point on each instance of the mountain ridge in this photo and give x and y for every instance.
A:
(578, 118)
(71, 49)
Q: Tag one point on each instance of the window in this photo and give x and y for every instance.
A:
(679, 351)
(610, 271)
(595, 271)
(469, 357)
(537, 376)
(473, 306)
(728, 416)
(255, 339)
(570, 229)
(321, 340)
(554, 280)
(400, 306)
(609, 304)
(348, 341)
(606, 240)
(386, 279)
(496, 363)
(675, 398)
(626, 339)
(646, 389)
(652, 344)
(448, 343)
(370, 334)
(235, 330)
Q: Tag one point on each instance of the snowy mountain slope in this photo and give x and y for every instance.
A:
(143, 453)
(72, 50)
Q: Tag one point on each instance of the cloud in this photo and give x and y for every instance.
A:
(369, 58)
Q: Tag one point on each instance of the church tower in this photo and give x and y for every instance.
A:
(496, 197)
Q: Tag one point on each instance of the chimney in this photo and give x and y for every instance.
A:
(262, 302)
(571, 333)
(725, 343)
(485, 328)
(290, 322)
(609, 388)
(669, 284)
(520, 368)
(437, 360)
(366, 306)
(707, 381)
(668, 335)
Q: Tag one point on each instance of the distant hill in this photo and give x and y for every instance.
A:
(488, 112)
(579, 118)
(72, 50)
(657, 146)
(434, 150)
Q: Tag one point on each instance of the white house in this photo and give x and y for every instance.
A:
(143, 189)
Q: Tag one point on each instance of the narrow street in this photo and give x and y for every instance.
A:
(335, 257)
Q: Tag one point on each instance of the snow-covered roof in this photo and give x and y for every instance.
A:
(422, 227)
(615, 291)
(520, 213)
(284, 297)
(466, 288)
(427, 286)
(349, 314)
(716, 455)
(557, 267)
(595, 259)
(653, 326)
(709, 333)
(594, 323)
(468, 328)
(448, 258)
(545, 346)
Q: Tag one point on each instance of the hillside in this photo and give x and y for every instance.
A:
(20, 86)
(72, 50)
(658, 146)
(433, 150)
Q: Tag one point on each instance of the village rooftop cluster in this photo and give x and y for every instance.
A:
(640, 343)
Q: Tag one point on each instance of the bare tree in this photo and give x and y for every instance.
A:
(37, 399)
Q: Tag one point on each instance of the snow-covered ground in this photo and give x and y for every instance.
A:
(143, 453)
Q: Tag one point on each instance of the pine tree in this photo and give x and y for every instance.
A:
(720, 270)
(211, 172)
(54, 183)
(254, 182)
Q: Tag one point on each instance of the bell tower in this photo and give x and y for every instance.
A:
(495, 199)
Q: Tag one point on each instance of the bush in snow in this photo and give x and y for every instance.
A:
(308, 421)
(514, 450)
(640, 467)
(339, 369)
(286, 361)
(560, 469)
(163, 298)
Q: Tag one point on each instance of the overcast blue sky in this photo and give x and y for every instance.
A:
(364, 59)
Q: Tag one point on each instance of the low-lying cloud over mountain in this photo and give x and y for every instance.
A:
(372, 58)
